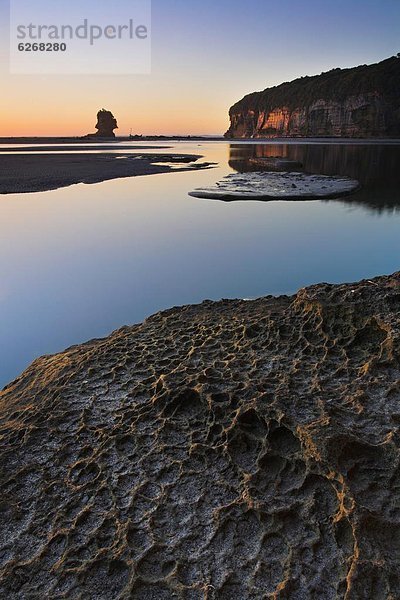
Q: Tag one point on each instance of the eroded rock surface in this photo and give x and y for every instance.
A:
(227, 450)
(278, 186)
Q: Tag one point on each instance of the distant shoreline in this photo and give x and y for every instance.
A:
(162, 138)
(94, 141)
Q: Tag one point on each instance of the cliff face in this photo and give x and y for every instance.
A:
(359, 102)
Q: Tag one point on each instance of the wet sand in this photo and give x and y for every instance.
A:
(233, 449)
(20, 173)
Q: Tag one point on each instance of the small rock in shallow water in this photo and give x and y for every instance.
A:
(278, 186)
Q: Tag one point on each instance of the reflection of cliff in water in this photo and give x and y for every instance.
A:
(377, 167)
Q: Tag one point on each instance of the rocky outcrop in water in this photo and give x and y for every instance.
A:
(262, 185)
(375, 166)
(227, 450)
(106, 123)
(359, 102)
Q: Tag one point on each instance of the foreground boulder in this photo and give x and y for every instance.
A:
(227, 450)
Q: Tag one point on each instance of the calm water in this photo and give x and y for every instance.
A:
(78, 262)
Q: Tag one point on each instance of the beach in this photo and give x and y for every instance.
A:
(31, 172)
(200, 370)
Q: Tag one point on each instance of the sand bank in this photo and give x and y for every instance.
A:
(39, 172)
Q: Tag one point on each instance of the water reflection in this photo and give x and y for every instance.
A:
(78, 262)
(375, 166)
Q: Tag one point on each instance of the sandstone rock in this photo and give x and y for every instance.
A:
(278, 186)
(228, 450)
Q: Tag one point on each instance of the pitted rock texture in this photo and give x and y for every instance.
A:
(239, 449)
(261, 185)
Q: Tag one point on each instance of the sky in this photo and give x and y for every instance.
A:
(205, 56)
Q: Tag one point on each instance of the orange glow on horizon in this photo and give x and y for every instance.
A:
(79, 127)
(51, 111)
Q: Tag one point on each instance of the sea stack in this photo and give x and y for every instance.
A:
(106, 123)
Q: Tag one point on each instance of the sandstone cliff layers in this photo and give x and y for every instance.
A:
(359, 102)
(227, 450)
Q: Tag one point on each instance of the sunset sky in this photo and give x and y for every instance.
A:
(205, 56)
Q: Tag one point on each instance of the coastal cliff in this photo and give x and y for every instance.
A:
(234, 449)
(360, 102)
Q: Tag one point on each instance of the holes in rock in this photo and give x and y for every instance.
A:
(366, 343)
(360, 462)
(283, 441)
(252, 330)
(244, 450)
(219, 397)
(106, 533)
(271, 465)
(214, 433)
(344, 535)
(86, 453)
(137, 538)
(86, 521)
(292, 475)
(186, 405)
(82, 473)
(125, 444)
(252, 423)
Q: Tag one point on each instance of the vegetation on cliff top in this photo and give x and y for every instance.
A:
(336, 85)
